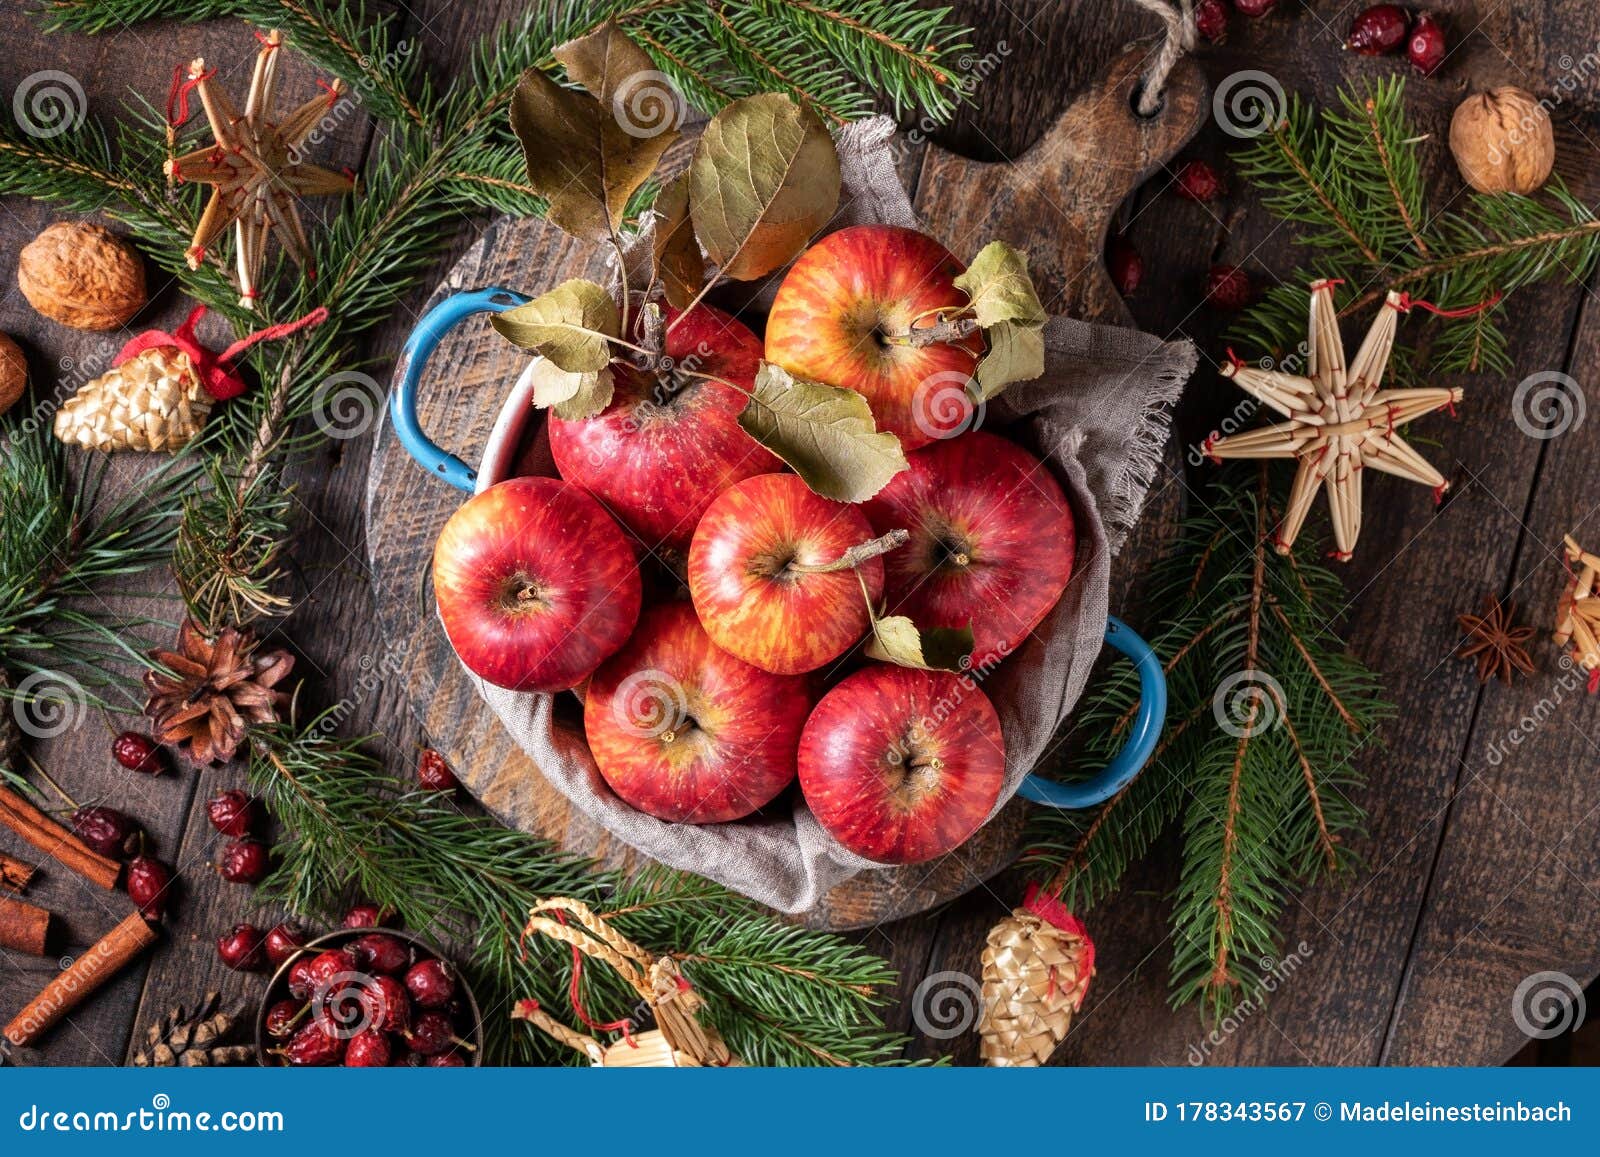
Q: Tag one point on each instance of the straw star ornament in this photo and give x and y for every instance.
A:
(1341, 420)
(254, 166)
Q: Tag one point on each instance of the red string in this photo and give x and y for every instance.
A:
(178, 95)
(1205, 448)
(1340, 555)
(1235, 360)
(1407, 304)
(1438, 493)
(333, 93)
(269, 45)
(1594, 680)
(283, 329)
(623, 1026)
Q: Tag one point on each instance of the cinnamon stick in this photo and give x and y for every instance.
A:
(23, 927)
(87, 973)
(56, 841)
(14, 874)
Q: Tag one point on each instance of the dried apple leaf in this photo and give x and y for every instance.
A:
(570, 324)
(764, 179)
(1015, 354)
(578, 148)
(896, 639)
(999, 288)
(679, 264)
(573, 396)
(826, 433)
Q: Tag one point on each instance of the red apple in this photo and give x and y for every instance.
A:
(843, 302)
(536, 584)
(901, 765)
(991, 541)
(686, 732)
(669, 443)
(748, 583)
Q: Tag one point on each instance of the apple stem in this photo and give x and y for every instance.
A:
(856, 555)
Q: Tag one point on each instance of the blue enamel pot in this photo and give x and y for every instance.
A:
(498, 464)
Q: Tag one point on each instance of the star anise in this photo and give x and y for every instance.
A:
(216, 689)
(1497, 646)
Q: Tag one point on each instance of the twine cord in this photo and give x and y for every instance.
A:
(1179, 20)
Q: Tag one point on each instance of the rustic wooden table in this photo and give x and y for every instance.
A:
(1478, 869)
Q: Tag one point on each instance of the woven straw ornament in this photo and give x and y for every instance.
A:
(1036, 971)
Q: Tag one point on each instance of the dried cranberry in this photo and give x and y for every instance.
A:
(431, 983)
(1228, 287)
(367, 1050)
(283, 941)
(434, 773)
(149, 884)
(367, 916)
(1198, 181)
(1425, 47)
(139, 753)
(243, 949)
(432, 1034)
(1125, 266)
(244, 862)
(380, 952)
(1377, 30)
(107, 831)
(233, 813)
(312, 1046)
(282, 1017)
(1211, 19)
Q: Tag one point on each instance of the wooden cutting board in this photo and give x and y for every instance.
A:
(1054, 202)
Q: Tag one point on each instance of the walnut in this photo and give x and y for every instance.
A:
(13, 373)
(82, 275)
(1502, 141)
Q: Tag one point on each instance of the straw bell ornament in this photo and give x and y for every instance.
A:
(1340, 419)
(160, 389)
(1578, 613)
(1037, 965)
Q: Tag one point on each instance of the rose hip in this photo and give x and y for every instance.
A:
(1125, 266)
(138, 753)
(312, 1046)
(380, 952)
(434, 774)
(1255, 9)
(367, 916)
(243, 949)
(431, 983)
(149, 884)
(324, 966)
(1425, 47)
(1198, 181)
(367, 1050)
(1377, 30)
(1228, 287)
(244, 862)
(282, 1018)
(300, 982)
(385, 1005)
(432, 1034)
(1211, 18)
(233, 813)
(107, 831)
(283, 941)
(450, 1060)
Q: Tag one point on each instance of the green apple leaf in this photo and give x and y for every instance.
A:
(826, 433)
(764, 179)
(678, 262)
(570, 324)
(896, 639)
(999, 288)
(1016, 354)
(573, 396)
(584, 152)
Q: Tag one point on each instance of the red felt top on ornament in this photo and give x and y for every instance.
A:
(1051, 909)
(217, 373)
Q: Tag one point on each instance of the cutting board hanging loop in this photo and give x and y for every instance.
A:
(1179, 19)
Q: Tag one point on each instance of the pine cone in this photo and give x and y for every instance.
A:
(194, 1040)
(153, 401)
(217, 689)
(1036, 971)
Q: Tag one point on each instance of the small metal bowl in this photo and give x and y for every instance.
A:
(278, 988)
